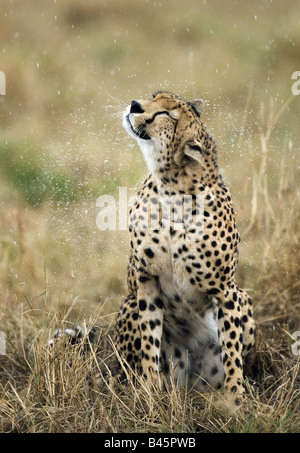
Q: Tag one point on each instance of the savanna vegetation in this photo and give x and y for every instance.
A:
(70, 68)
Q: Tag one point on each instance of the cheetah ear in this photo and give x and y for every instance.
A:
(198, 105)
(192, 154)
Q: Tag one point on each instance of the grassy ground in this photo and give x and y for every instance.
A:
(69, 69)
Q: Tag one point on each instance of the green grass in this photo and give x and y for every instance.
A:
(33, 179)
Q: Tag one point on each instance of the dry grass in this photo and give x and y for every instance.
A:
(60, 130)
(66, 390)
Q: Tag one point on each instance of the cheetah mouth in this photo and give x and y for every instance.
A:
(140, 132)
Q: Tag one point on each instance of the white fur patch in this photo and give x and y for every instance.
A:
(147, 146)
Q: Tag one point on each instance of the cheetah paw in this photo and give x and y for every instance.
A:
(73, 335)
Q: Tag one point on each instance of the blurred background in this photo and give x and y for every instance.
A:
(70, 68)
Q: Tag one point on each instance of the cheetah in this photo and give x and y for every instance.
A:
(184, 316)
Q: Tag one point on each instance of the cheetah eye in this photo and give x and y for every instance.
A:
(171, 114)
(196, 148)
(167, 114)
(162, 113)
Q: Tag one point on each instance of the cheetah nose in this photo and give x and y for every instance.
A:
(136, 107)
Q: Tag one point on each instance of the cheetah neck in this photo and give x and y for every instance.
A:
(186, 180)
(149, 153)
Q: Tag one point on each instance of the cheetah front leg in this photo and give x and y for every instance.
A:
(230, 330)
(249, 330)
(150, 306)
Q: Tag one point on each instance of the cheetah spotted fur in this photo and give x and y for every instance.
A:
(184, 316)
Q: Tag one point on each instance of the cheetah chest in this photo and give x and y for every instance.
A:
(189, 313)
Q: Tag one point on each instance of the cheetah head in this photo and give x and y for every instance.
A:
(168, 129)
